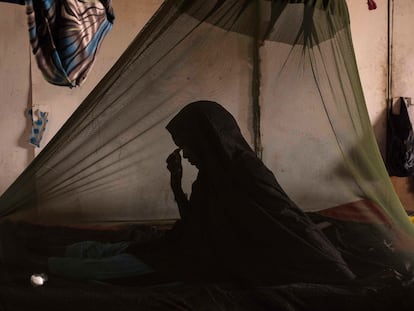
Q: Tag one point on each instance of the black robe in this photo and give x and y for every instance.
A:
(244, 225)
(241, 225)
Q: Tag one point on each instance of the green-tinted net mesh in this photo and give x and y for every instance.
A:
(285, 69)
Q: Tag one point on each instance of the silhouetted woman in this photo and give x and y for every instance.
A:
(237, 226)
(238, 223)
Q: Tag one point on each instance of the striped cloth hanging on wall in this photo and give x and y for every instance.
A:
(65, 36)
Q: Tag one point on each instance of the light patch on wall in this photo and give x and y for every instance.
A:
(369, 35)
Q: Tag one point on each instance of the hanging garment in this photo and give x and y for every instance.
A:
(65, 40)
(39, 121)
(400, 141)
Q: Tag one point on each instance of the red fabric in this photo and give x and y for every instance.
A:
(363, 211)
(371, 5)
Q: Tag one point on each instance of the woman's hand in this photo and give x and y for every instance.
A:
(176, 170)
(175, 167)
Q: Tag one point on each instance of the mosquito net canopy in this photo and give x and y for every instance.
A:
(285, 69)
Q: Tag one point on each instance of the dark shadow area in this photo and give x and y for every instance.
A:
(382, 294)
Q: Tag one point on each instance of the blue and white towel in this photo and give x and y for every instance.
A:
(39, 121)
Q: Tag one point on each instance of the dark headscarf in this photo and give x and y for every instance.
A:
(209, 128)
(241, 220)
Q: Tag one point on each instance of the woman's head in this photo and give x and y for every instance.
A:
(207, 133)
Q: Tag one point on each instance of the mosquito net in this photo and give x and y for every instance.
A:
(284, 68)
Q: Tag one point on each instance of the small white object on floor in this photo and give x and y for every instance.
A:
(38, 279)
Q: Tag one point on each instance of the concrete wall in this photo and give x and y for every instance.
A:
(369, 31)
(15, 153)
(18, 94)
(403, 47)
(369, 34)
